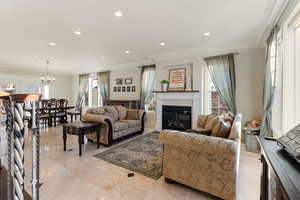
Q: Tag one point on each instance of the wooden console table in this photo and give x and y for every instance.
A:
(280, 177)
(131, 104)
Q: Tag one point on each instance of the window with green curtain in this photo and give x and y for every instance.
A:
(148, 80)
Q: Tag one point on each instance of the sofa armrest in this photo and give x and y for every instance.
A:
(203, 143)
(102, 119)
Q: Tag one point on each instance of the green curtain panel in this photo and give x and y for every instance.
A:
(222, 72)
(269, 84)
(147, 85)
(104, 84)
(84, 88)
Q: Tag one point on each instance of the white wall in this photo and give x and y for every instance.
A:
(133, 72)
(249, 80)
(62, 88)
(249, 83)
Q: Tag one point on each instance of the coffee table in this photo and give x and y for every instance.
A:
(80, 129)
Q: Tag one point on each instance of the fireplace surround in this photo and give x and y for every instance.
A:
(176, 117)
(190, 99)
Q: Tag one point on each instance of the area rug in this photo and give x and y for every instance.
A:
(142, 154)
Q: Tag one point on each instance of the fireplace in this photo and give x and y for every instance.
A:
(177, 117)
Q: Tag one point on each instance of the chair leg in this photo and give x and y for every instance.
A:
(71, 118)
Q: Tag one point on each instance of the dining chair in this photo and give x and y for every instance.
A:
(51, 107)
(44, 113)
(77, 110)
(61, 111)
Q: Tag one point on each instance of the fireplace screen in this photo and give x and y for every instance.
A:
(177, 118)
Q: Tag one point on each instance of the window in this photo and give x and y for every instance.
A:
(273, 61)
(45, 91)
(216, 104)
(94, 99)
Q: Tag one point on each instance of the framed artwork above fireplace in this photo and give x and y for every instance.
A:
(177, 77)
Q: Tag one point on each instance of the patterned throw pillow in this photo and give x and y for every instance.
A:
(210, 122)
(221, 128)
(227, 117)
(133, 115)
(113, 111)
(202, 120)
(122, 112)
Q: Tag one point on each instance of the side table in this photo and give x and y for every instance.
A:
(80, 129)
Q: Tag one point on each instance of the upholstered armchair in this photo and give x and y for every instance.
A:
(206, 163)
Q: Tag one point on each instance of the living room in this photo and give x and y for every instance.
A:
(149, 100)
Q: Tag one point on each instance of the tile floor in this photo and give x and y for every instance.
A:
(66, 176)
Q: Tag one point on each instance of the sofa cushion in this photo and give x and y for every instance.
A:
(202, 120)
(133, 114)
(120, 126)
(122, 112)
(132, 123)
(113, 110)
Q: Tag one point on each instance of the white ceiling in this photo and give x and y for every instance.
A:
(28, 26)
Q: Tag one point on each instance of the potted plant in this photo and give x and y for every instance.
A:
(164, 85)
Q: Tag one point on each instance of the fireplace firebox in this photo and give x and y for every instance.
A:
(176, 117)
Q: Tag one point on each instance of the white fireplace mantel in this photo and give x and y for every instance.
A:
(192, 99)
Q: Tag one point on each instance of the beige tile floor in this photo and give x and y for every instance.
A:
(65, 175)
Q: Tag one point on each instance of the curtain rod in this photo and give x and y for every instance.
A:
(227, 54)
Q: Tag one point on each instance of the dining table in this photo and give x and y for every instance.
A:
(51, 111)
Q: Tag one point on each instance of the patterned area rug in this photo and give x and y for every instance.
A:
(142, 154)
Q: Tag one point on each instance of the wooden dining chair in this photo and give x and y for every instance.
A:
(44, 113)
(77, 110)
(61, 111)
(51, 107)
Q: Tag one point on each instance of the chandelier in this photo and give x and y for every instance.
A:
(46, 80)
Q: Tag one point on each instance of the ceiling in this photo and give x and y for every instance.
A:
(28, 26)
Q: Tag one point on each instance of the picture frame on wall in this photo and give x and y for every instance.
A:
(133, 88)
(119, 81)
(177, 77)
(128, 88)
(119, 89)
(123, 89)
(128, 81)
(115, 89)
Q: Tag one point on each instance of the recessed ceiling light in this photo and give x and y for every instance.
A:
(102, 57)
(127, 52)
(207, 34)
(52, 44)
(162, 44)
(118, 14)
(77, 32)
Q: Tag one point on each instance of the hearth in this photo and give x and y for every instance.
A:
(176, 117)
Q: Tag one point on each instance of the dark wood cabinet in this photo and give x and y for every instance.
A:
(280, 178)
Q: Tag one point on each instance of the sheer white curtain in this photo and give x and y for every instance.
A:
(84, 88)
(147, 86)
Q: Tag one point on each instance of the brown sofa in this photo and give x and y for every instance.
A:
(206, 163)
(116, 122)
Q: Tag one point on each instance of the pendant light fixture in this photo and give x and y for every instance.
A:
(47, 79)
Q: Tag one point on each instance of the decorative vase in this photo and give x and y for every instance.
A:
(164, 87)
